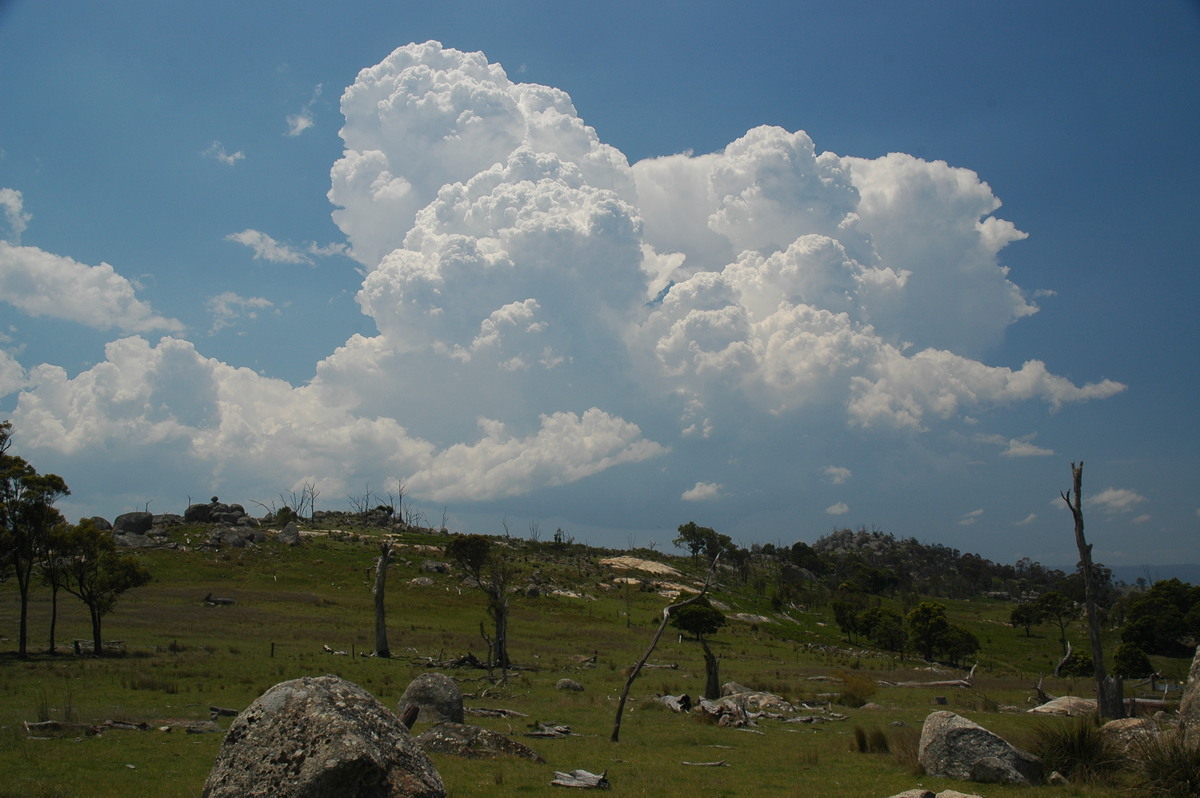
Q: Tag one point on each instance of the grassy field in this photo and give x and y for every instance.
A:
(182, 656)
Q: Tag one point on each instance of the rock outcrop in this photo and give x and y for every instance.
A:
(1189, 705)
(958, 748)
(438, 697)
(320, 737)
(473, 742)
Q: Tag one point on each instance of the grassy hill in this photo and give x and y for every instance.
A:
(589, 622)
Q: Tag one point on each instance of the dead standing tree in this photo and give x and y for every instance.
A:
(381, 566)
(666, 618)
(1108, 689)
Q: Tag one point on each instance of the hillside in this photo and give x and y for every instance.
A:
(575, 611)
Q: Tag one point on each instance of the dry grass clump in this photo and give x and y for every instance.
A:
(1167, 764)
(1077, 749)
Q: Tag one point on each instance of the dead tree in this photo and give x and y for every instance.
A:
(1108, 690)
(666, 617)
(381, 641)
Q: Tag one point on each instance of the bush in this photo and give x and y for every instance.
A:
(856, 689)
(1079, 664)
(1168, 765)
(1076, 749)
(1131, 661)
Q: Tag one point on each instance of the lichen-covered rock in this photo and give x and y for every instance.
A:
(473, 742)
(438, 697)
(320, 737)
(1126, 734)
(570, 685)
(958, 748)
(1189, 705)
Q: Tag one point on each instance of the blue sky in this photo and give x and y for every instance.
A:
(253, 246)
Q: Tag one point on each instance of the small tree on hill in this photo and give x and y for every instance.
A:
(492, 572)
(1057, 607)
(1025, 616)
(700, 619)
(927, 627)
(95, 572)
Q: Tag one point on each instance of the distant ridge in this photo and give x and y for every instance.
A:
(1187, 572)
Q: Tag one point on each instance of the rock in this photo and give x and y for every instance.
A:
(1071, 705)
(532, 591)
(320, 737)
(1057, 779)
(918, 793)
(421, 581)
(136, 523)
(132, 540)
(434, 567)
(197, 513)
(101, 523)
(959, 748)
(438, 697)
(289, 535)
(733, 688)
(956, 794)
(168, 519)
(473, 742)
(569, 684)
(1125, 734)
(1189, 705)
(871, 706)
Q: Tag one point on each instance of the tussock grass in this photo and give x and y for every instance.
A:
(1076, 748)
(1168, 765)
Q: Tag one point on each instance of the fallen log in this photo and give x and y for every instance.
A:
(965, 682)
(486, 712)
(678, 703)
(224, 711)
(56, 728)
(721, 764)
(550, 730)
(581, 778)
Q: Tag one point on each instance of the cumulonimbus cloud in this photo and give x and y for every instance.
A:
(584, 313)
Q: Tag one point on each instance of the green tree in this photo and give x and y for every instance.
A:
(884, 628)
(26, 516)
(957, 644)
(702, 540)
(1025, 616)
(1059, 608)
(927, 626)
(492, 572)
(93, 570)
(1130, 661)
(701, 619)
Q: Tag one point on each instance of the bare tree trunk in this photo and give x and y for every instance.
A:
(381, 641)
(499, 610)
(1108, 691)
(712, 672)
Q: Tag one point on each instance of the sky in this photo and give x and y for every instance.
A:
(778, 268)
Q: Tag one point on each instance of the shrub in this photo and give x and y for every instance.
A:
(1076, 749)
(1131, 661)
(1168, 764)
(856, 689)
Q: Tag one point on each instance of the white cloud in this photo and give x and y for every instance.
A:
(1141, 519)
(227, 308)
(1027, 520)
(841, 508)
(1117, 500)
(967, 519)
(267, 248)
(702, 492)
(299, 122)
(12, 374)
(566, 448)
(510, 259)
(837, 475)
(1017, 447)
(41, 284)
(217, 152)
(15, 216)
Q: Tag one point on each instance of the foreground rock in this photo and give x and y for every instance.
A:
(320, 737)
(438, 697)
(1189, 705)
(958, 748)
(473, 742)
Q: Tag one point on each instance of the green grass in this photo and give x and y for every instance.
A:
(183, 657)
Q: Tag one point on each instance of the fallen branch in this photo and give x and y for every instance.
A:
(966, 681)
(581, 778)
(721, 764)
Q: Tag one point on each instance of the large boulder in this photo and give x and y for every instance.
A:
(320, 737)
(437, 696)
(198, 513)
(1189, 705)
(958, 748)
(289, 535)
(136, 523)
(473, 742)
(1126, 735)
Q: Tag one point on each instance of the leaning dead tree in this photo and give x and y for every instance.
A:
(666, 617)
(1108, 689)
(381, 566)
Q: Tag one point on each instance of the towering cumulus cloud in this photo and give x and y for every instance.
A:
(545, 311)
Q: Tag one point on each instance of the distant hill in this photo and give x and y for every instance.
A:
(1187, 572)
